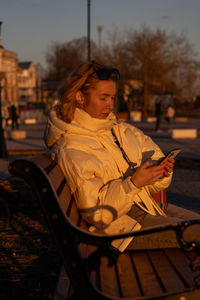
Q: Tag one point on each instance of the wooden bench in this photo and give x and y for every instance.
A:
(96, 271)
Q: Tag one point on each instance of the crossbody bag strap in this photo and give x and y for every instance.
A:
(131, 164)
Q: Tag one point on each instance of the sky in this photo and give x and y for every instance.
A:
(30, 26)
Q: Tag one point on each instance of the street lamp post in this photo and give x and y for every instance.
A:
(99, 29)
(0, 28)
(3, 149)
(88, 36)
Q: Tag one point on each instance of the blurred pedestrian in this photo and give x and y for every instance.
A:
(169, 116)
(14, 117)
(158, 113)
(5, 116)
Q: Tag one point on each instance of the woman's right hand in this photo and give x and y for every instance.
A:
(147, 174)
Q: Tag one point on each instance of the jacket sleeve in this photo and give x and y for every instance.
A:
(160, 184)
(149, 146)
(99, 202)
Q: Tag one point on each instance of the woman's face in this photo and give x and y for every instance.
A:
(99, 102)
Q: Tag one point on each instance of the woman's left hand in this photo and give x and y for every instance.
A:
(168, 166)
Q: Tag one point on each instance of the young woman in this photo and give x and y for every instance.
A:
(110, 165)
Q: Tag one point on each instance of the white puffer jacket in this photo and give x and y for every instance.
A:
(95, 168)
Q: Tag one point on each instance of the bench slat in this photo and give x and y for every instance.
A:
(42, 160)
(165, 271)
(181, 263)
(74, 213)
(64, 198)
(128, 281)
(108, 279)
(56, 177)
(51, 168)
(146, 275)
(94, 279)
(62, 185)
(85, 250)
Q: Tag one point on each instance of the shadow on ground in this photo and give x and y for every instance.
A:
(29, 262)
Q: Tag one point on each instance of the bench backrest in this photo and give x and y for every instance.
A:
(60, 187)
(48, 182)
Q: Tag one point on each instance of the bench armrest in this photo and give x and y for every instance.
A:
(178, 227)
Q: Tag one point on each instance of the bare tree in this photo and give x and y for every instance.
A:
(156, 59)
(62, 58)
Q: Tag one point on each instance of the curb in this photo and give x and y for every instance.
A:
(28, 152)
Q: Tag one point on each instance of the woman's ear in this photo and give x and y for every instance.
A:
(80, 98)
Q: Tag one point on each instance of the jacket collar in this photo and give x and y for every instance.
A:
(83, 124)
(84, 120)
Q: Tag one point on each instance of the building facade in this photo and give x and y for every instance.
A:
(8, 75)
(20, 81)
(29, 82)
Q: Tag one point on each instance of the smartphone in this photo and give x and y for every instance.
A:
(173, 153)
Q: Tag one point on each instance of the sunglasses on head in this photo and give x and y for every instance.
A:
(106, 74)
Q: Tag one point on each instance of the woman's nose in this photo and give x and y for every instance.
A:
(110, 104)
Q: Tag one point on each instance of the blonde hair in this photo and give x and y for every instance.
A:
(79, 79)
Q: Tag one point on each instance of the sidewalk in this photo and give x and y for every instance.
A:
(190, 147)
(33, 144)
